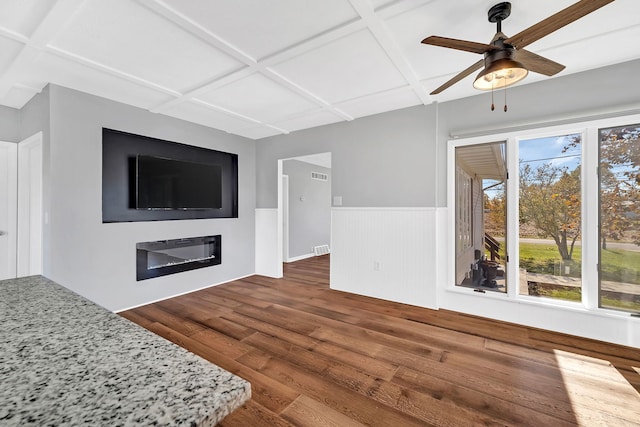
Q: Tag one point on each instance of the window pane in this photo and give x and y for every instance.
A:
(550, 217)
(481, 216)
(620, 218)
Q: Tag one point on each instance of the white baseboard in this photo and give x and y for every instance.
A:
(182, 293)
(300, 257)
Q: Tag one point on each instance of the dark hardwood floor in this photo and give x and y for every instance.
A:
(318, 357)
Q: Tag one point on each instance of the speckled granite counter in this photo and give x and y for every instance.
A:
(66, 361)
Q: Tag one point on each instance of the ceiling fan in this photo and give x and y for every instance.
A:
(505, 60)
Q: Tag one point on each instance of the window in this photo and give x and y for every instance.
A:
(550, 217)
(555, 212)
(480, 216)
(619, 213)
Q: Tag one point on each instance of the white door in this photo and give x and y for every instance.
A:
(8, 208)
(29, 231)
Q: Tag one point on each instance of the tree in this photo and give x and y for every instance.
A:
(620, 183)
(495, 216)
(550, 201)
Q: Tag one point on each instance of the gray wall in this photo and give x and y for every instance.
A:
(309, 207)
(9, 120)
(98, 260)
(375, 160)
(398, 159)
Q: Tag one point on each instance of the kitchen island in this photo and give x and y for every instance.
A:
(67, 361)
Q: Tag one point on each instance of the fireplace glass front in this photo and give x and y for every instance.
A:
(162, 257)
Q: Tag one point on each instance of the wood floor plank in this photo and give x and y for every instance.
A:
(319, 357)
(307, 411)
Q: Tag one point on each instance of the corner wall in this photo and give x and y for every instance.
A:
(98, 260)
(9, 120)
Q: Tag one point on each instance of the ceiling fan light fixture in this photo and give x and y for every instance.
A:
(501, 73)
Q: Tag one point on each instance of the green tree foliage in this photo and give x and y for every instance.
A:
(550, 201)
(495, 216)
(620, 183)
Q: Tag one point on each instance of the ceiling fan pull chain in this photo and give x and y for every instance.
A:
(505, 98)
(493, 107)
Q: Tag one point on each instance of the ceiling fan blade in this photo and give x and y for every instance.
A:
(459, 76)
(465, 45)
(537, 63)
(555, 22)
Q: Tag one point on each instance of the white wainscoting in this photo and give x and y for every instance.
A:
(268, 250)
(387, 253)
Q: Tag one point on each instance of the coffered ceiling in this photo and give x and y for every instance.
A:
(258, 68)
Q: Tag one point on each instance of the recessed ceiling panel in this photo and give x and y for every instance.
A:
(258, 97)
(410, 28)
(308, 120)
(612, 18)
(206, 116)
(379, 103)
(70, 74)
(344, 69)
(23, 16)
(619, 47)
(262, 28)
(127, 37)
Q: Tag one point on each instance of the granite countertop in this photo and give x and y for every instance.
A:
(67, 361)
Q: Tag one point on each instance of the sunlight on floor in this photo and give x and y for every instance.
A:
(595, 387)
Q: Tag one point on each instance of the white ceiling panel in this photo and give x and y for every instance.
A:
(23, 16)
(308, 120)
(128, 37)
(381, 102)
(344, 69)
(410, 28)
(262, 28)
(257, 68)
(207, 116)
(258, 97)
(9, 49)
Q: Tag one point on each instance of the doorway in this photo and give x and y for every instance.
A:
(304, 206)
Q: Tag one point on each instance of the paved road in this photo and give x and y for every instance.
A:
(610, 245)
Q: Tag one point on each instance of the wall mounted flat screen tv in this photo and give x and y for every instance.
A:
(170, 184)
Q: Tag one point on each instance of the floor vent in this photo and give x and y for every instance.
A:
(321, 250)
(319, 176)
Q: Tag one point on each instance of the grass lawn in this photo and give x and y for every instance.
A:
(617, 266)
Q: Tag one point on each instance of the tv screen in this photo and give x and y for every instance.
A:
(171, 184)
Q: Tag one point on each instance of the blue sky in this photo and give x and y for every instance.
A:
(549, 150)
